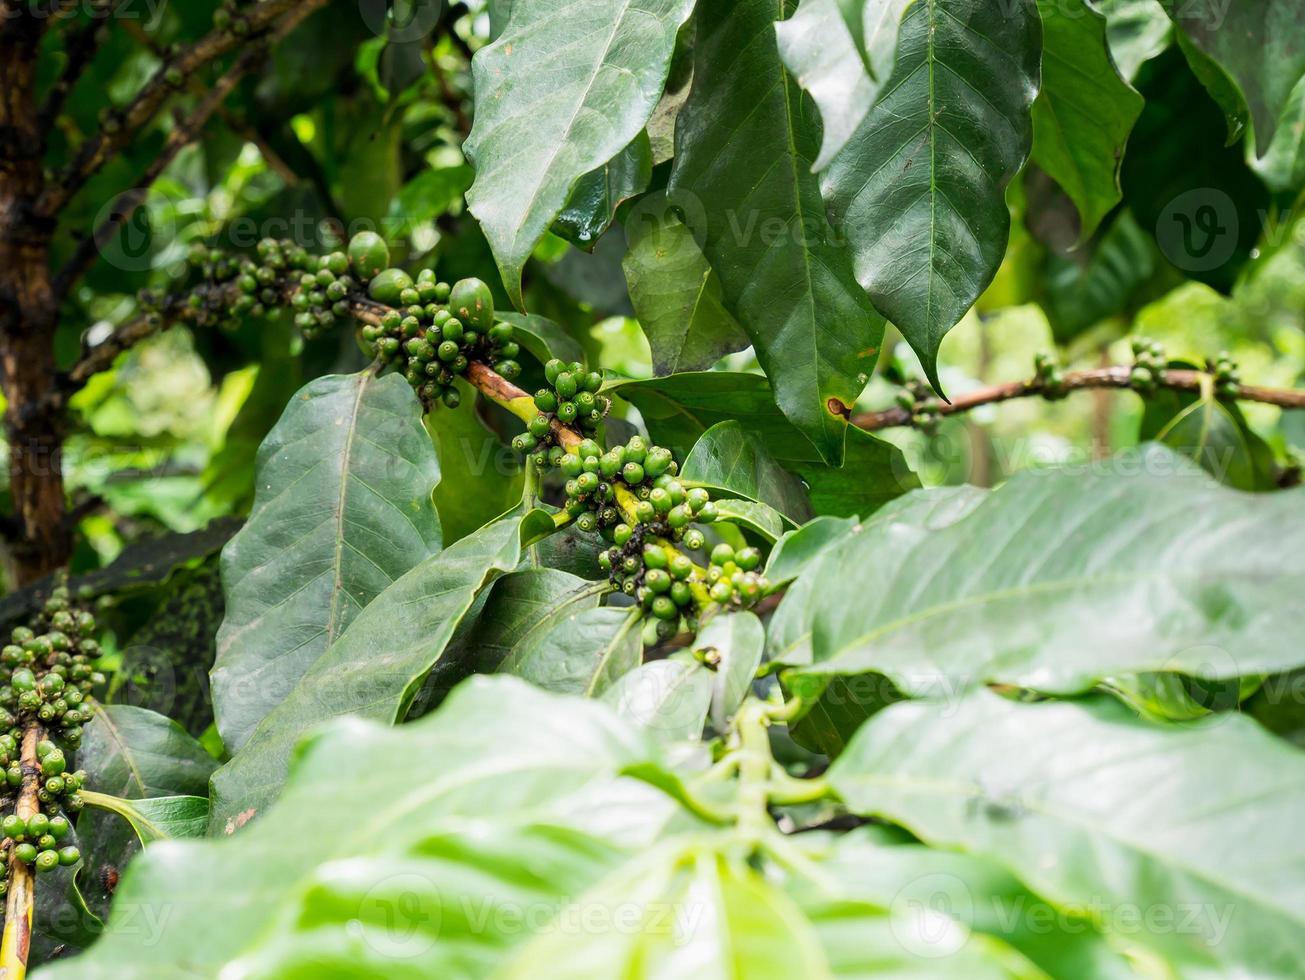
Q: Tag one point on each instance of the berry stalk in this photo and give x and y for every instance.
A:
(21, 896)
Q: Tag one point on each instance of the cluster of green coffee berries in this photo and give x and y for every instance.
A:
(926, 410)
(38, 839)
(1149, 364)
(1049, 377)
(437, 331)
(595, 480)
(1227, 376)
(572, 398)
(262, 287)
(46, 677)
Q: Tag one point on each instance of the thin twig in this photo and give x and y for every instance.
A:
(21, 896)
(257, 20)
(1116, 376)
(80, 49)
(185, 132)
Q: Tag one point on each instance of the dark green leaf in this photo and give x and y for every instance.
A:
(919, 190)
(676, 295)
(583, 651)
(828, 53)
(373, 669)
(744, 146)
(798, 548)
(1084, 112)
(542, 337)
(679, 409)
(1257, 44)
(565, 89)
(733, 460)
(834, 708)
(594, 199)
(481, 476)
(1091, 809)
(343, 509)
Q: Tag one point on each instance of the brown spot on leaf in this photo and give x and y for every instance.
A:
(239, 820)
(838, 408)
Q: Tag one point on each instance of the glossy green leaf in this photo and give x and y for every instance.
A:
(543, 338)
(759, 518)
(1095, 810)
(136, 753)
(1137, 30)
(594, 199)
(1257, 44)
(828, 54)
(801, 546)
(679, 409)
(562, 91)
(522, 606)
(1084, 112)
(676, 294)
(157, 818)
(374, 669)
(466, 823)
(1184, 185)
(1060, 578)
(669, 699)
(919, 190)
(745, 143)
(583, 652)
(343, 508)
(1282, 167)
(733, 460)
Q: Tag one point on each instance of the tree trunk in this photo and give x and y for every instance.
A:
(28, 312)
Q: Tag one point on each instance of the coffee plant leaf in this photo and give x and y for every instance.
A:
(745, 142)
(342, 509)
(729, 458)
(1084, 112)
(1094, 809)
(1060, 578)
(374, 669)
(562, 91)
(919, 189)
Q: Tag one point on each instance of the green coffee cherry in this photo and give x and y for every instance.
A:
(388, 285)
(368, 254)
(472, 302)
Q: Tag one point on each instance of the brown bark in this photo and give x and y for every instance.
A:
(27, 316)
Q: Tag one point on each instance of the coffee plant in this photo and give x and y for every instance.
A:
(513, 489)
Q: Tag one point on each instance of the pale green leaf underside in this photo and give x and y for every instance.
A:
(342, 509)
(498, 756)
(374, 669)
(566, 88)
(1094, 809)
(1060, 578)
